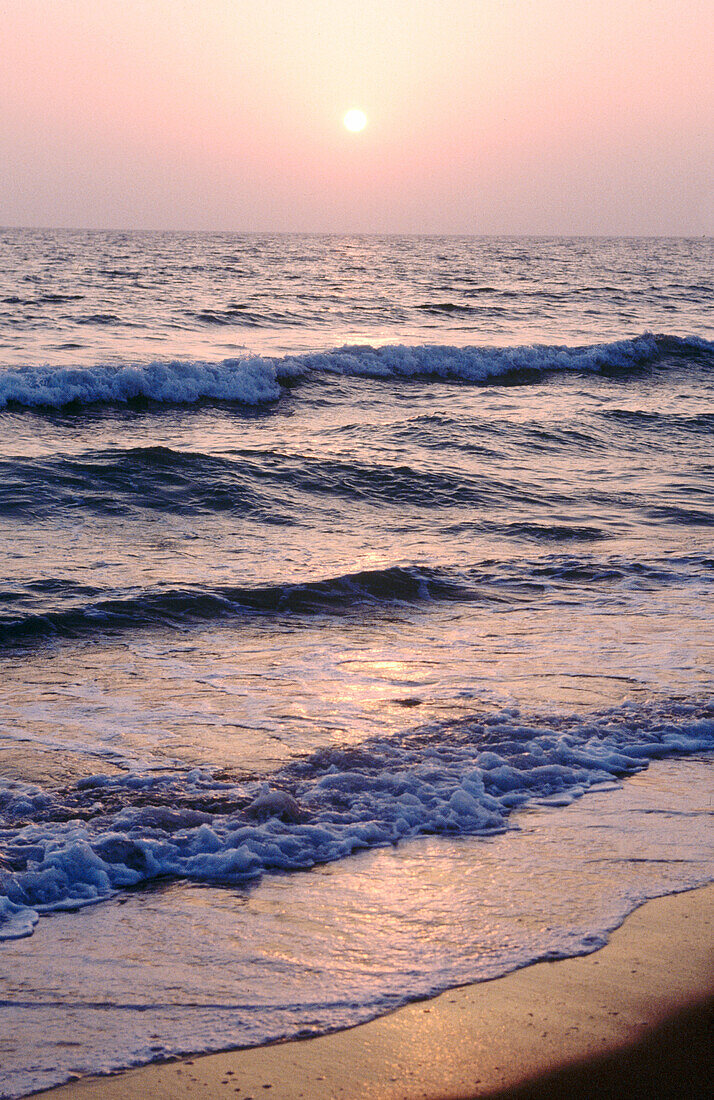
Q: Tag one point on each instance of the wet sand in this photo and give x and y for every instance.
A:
(633, 1019)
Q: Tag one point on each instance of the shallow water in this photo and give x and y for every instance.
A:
(271, 603)
(315, 951)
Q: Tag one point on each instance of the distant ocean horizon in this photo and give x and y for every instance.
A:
(471, 235)
(355, 622)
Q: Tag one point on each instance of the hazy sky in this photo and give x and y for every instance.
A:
(485, 116)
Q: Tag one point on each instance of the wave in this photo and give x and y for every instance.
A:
(658, 422)
(255, 380)
(65, 848)
(241, 314)
(119, 482)
(686, 517)
(276, 487)
(555, 532)
(92, 610)
(42, 299)
(248, 381)
(56, 608)
(97, 319)
(265, 484)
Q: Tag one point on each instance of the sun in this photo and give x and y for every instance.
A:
(355, 120)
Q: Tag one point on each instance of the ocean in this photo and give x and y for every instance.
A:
(355, 623)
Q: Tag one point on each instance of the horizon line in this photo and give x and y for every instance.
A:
(355, 233)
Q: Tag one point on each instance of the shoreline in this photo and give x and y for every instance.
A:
(551, 1028)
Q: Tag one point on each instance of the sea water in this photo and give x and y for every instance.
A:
(355, 623)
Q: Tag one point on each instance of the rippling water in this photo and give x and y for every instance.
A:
(314, 546)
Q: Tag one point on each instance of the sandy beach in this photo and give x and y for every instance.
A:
(634, 1016)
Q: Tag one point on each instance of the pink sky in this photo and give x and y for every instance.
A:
(485, 116)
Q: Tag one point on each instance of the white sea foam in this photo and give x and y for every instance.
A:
(16, 921)
(311, 953)
(471, 364)
(254, 379)
(456, 780)
(250, 381)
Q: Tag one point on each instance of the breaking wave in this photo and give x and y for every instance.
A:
(66, 848)
(256, 380)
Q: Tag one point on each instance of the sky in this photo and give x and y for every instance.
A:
(484, 116)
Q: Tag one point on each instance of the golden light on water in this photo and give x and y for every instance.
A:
(355, 120)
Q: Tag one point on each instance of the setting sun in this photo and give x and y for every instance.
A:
(355, 120)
